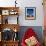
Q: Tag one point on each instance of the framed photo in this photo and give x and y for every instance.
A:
(13, 12)
(5, 12)
(30, 13)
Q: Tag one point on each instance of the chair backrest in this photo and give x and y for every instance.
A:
(30, 32)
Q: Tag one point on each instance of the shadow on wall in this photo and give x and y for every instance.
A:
(37, 29)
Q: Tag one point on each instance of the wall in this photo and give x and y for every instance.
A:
(39, 12)
(27, 3)
(7, 3)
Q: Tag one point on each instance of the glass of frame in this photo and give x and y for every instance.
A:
(30, 13)
(5, 12)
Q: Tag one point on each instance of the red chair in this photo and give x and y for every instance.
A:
(29, 33)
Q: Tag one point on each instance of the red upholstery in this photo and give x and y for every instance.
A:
(29, 33)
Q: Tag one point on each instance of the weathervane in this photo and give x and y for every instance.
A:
(15, 3)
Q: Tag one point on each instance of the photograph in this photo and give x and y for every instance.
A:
(30, 13)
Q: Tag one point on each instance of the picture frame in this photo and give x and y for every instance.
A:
(30, 13)
(12, 12)
(5, 12)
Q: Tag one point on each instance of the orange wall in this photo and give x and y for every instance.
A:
(44, 14)
(44, 20)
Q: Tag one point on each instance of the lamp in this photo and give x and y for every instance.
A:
(15, 3)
